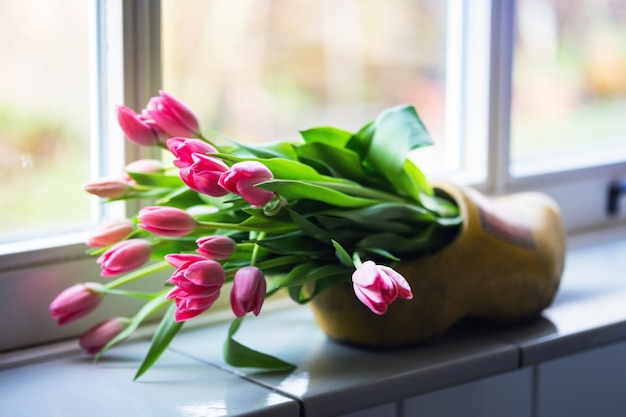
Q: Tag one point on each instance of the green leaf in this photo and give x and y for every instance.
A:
(305, 293)
(382, 253)
(388, 217)
(286, 169)
(362, 140)
(398, 131)
(272, 150)
(442, 207)
(326, 135)
(415, 182)
(293, 244)
(339, 161)
(163, 335)
(236, 354)
(296, 190)
(297, 276)
(156, 180)
(181, 198)
(342, 255)
(151, 307)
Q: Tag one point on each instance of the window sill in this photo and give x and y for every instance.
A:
(192, 380)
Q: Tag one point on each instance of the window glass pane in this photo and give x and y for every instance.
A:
(262, 70)
(569, 88)
(43, 115)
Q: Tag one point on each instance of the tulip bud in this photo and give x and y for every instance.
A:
(197, 281)
(184, 148)
(146, 166)
(97, 337)
(166, 221)
(108, 187)
(242, 179)
(75, 302)
(138, 129)
(248, 291)
(172, 116)
(203, 175)
(110, 233)
(124, 256)
(377, 286)
(216, 246)
(188, 307)
(198, 278)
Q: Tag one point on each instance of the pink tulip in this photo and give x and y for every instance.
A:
(189, 307)
(377, 286)
(146, 166)
(243, 178)
(203, 175)
(198, 277)
(137, 128)
(197, 281)
(184, 148)
(108, 187)
(216, 246)
(98, 336)
(248, 291)
(166, 221)
(124, 256)
(110, 233)
(171, 115)
(75, 302)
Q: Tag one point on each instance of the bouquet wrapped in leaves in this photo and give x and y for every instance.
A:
(299, 216)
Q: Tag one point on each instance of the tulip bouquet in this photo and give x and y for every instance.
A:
(299, 216)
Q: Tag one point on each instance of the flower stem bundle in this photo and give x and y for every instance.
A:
(300, 216)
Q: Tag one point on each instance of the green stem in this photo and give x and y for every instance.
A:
(282, 261)
(134, 276)
(255, 249)
(271, 263)
(229, 226)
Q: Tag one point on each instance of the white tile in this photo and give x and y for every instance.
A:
(591, 383)
(508, 394)
(176, 387)
(333, 379)
(386, 410)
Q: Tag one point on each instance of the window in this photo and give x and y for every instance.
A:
(510, 107)
(43, 128)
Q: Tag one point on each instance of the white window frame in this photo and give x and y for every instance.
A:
(130, 72)
(580, 188)
(126, 69)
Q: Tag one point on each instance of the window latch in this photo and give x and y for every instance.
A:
(616, 189)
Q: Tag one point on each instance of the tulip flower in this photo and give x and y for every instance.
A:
(146, 166)
(197, 281)
(203, 175)
(184, 148)
(190, 307)
(124, 256)
(196, 275)
(110, 233)
(138, 129)
(108, 187)
(166, 221)
(248, 291)
(98, 336)
(216, 246)
(172, 116)
(242, 179)
(75, 302)
(377, 286)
